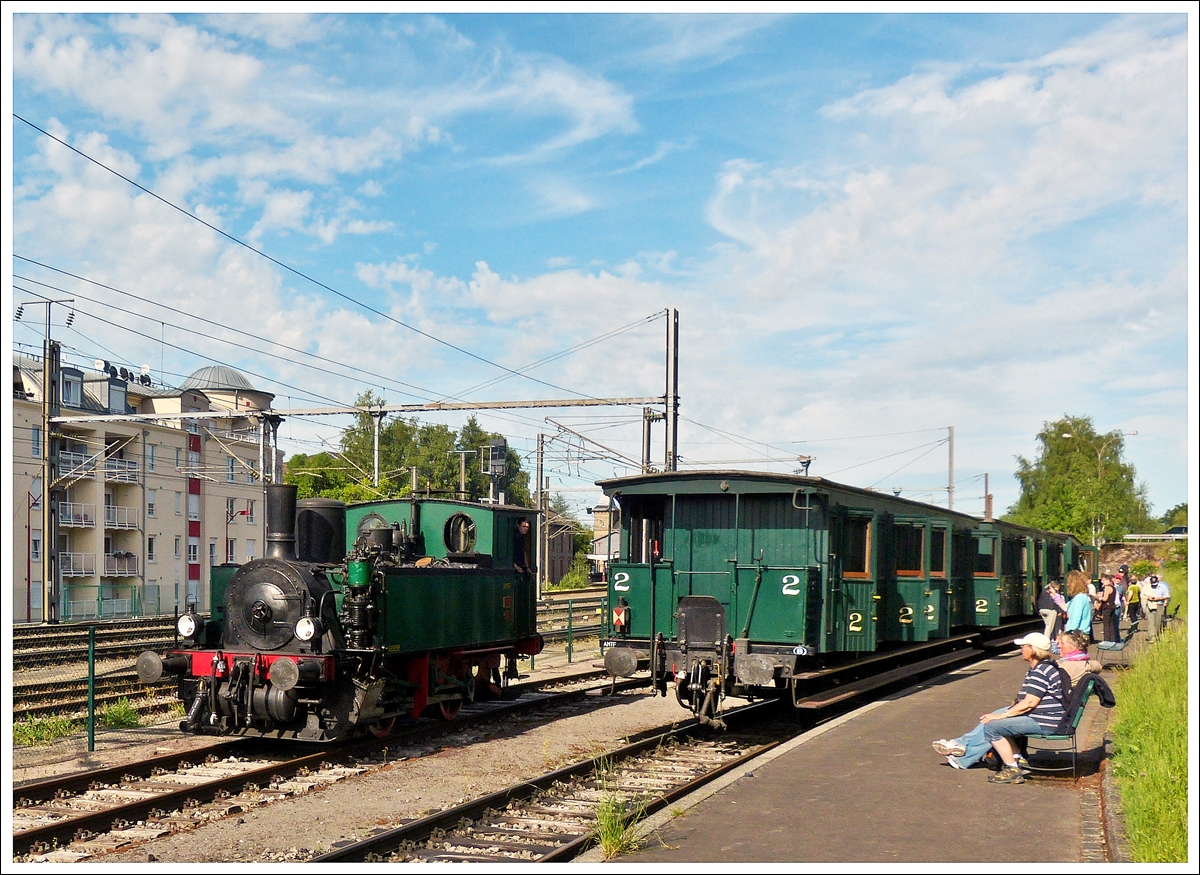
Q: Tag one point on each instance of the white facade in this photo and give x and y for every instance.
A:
(145, 507)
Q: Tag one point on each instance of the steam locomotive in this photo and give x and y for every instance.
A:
(741, 583)
(315, 642)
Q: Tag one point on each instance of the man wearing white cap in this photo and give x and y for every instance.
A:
(1038, 708)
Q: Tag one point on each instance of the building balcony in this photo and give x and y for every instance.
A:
(117, 517)
(120, 471)
(75, 465)
(73, 515)
(77, 564)
(120, 564)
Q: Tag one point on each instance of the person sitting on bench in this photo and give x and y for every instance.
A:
(1038, 709)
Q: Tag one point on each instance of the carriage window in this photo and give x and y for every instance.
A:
(985, 556)
(910, 549)
(858, 548)
(644, 519)
(937, 552)
(1085, 562)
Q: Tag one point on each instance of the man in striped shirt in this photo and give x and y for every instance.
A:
(1039, 706)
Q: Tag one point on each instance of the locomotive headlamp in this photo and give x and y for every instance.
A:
(186, 626)
(307, 628)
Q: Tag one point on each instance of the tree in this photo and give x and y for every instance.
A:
(1080, 484)
(1176, 516)
(404, 444)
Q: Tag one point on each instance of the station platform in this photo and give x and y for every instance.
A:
(868, 788)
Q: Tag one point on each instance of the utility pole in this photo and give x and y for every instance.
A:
(672, 394)
(543, 522)
(950, 483)
(462, 472)
(648, 417)
(51, 403)
(377, 420)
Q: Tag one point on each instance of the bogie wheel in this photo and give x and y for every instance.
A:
(382, 728)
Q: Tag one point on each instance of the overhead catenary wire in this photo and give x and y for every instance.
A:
(381, 314)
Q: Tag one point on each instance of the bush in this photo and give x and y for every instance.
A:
(119, 715)
(578, 577)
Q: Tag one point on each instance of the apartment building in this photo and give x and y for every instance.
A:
(146, 508)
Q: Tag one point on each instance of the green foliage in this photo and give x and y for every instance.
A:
(348, 475)
(42, 730)
(578, 577)
(119, 715)
(1143, 568)
(1176, 516)
(1079, 484)
(1150, 757)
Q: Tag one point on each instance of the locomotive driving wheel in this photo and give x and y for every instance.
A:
(448, 710)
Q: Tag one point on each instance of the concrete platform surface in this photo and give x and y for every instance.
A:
(868, 788)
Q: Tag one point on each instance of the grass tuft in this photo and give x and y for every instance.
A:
(616, 826)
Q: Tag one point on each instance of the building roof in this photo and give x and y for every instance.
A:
(218, 377)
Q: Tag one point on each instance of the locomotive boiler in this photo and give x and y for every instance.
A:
(314, 642)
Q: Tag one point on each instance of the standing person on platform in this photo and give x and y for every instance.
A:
(1039, 707)
(1133, 601)
(1108, 608)
(1156, 597)
(1050, 609)
(1079, 604)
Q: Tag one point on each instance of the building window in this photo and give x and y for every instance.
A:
(229, 475)
(250, 548)
(250, 510)
(193, 550)
(231, 550)
(212, 552)
(251, 472)
(193, 426)
(178, 457)
(72, 390)
(36, 442)
(150, 460)
(151, 502)
(35, 545)
(193, 507)
(178, 541)
(193, 458)
(151, 548)
(178, 503)
(230, 509)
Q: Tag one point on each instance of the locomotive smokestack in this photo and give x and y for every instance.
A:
(281, 521)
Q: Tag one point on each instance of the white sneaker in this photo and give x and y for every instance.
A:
(954, 764)
(949, 748)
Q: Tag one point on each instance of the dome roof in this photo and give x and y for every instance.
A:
(217, 377)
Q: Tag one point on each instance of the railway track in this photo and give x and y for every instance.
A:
(77, 817)
(67, 697)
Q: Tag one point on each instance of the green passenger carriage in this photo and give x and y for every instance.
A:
(735, 582)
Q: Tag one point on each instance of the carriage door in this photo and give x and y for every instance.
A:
(705, 547)
(937, 602)
(852, 597)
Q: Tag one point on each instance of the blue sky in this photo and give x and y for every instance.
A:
(874, 226)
